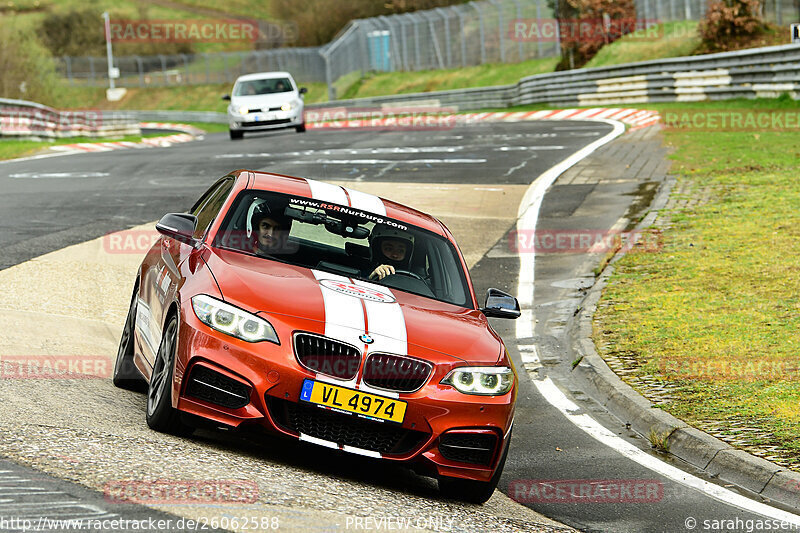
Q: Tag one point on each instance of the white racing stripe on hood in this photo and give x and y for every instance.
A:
(385, 320)
(342, 312)
(325, 192)
(366, 202)
(387, 326)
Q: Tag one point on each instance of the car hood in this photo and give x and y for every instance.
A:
(263, 101)
(296, 298)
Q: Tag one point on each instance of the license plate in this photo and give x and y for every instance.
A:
(353, 401)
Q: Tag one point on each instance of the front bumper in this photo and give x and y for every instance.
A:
(265, 120)
(438, 418)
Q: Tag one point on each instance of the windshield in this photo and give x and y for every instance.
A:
(263, 86)
(345, 241)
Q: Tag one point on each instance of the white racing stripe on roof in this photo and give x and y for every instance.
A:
(366, 202)
(325, 192)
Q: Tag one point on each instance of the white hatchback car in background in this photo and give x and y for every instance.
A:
(265, 101)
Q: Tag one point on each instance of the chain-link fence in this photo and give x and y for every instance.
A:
(305, 64)
(781, 12)
(490, 31)
(452, 37)
(670, 10)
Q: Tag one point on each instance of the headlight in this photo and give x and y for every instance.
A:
(232, 320)
(481, 380)
(288, 106)
(243, 110)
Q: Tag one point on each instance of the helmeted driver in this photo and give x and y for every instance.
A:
(270, 229)
(390, 250)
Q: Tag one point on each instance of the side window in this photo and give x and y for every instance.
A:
(203, 199)
(209, 209)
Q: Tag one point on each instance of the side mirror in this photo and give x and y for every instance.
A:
(303, 90)
(500, 305)
(178, 226)
(226, 97)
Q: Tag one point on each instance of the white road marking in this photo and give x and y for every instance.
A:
(38, 175)
(528, 214)
(526, 148)
(518, 167)
(385, 161)
(529, 353)
(569, 409)
(350, 151)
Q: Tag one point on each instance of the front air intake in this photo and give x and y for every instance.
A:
(214, 387)
(468, 447)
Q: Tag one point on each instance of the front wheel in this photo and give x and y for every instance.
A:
(236, 134)
(126, 375)
(470, 491)
(161, 416)
(301, 128)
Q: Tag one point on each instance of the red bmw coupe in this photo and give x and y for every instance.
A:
(327, 315)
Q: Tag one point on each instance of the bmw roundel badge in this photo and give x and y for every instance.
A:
(366, 339)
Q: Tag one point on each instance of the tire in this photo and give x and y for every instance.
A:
(126, 375)
(301, 128)
(470, 491)
(161, 416)
(236, 134)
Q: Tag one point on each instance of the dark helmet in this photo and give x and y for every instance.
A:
(268, 209)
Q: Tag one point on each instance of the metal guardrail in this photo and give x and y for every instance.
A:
(759, 72)
(20, 118)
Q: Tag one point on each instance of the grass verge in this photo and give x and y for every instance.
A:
(378, 84)
(713, 318)
(671, 39)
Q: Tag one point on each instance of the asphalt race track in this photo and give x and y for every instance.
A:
(69, 439)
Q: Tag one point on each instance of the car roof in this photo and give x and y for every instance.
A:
(301, 187)
(263, 76)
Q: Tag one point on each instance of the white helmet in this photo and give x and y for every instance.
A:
(380, 232)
